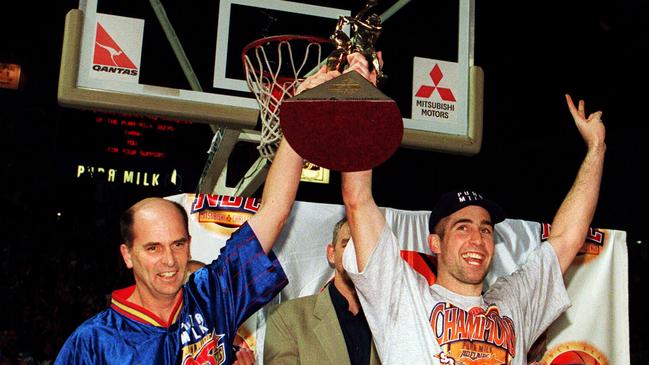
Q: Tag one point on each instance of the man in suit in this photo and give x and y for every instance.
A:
(315, 329)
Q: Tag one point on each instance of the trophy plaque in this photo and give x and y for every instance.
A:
(347, 123)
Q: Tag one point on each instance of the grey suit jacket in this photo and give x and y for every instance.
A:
(306, 331)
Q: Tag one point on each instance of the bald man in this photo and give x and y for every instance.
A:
(164, 319)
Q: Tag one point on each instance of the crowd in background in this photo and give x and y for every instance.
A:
(54, 273)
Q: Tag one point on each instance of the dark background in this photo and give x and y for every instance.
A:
(58, 247)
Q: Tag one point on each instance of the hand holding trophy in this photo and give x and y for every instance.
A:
(345, 123)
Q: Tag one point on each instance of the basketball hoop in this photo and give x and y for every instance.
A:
(273, 75)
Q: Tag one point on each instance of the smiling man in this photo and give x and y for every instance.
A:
(167, 318)
(158, 266)
(454, 321)
(464, 221)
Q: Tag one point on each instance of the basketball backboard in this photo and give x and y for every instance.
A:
(180, 60)
(428, 50)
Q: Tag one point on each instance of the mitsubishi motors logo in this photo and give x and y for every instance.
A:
(425, 91)
(109, 56)
(433, 99)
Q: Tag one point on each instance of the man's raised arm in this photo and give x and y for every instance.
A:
(278, 196)
(282, 181)
(573, 219)
(366, 221)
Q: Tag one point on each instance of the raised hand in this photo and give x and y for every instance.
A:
(591, 129)
(316, 79)
(358, 62)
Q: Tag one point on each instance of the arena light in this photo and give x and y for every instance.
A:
(9, 76)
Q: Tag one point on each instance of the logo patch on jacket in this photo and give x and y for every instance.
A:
(473, 337)
(209, 350)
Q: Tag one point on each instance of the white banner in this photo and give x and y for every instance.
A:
(594, 330)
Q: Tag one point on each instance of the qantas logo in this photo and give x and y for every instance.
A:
(109, 56)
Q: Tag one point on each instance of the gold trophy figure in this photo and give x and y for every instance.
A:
(365, 32)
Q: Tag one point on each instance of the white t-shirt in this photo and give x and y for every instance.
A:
(413, 323)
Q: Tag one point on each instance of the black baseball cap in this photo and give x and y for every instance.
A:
(453, 201)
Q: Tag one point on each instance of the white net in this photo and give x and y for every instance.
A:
(273, 75)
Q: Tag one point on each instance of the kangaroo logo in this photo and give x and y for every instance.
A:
(108, 52)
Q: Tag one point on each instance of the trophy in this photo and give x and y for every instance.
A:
(346, 124)
(365, 33)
